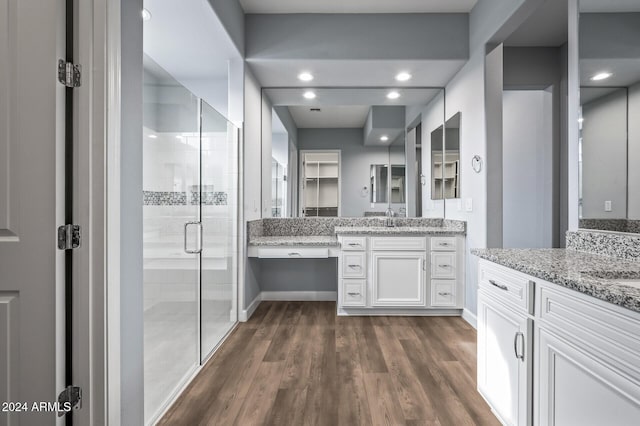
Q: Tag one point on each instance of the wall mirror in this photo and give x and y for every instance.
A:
(609, 144)
(349, 152)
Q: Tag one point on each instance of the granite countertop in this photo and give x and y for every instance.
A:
(591, 274)
(295, 240)
(387, 230)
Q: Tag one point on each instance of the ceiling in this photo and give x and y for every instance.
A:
(609, 6)
(351, 96)
(333, 117)
(187, 39)
(357, 6)
(283, 73)
(546, 27)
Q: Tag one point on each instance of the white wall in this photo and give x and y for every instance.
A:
(634, 153)
(465, 93)
(252, 176)
(604, 150)
(527, 169)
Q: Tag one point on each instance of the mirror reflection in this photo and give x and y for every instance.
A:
(451, 163)
(349, 152)
(609, 150)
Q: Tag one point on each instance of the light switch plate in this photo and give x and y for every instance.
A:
(468, 204)
(607, 206)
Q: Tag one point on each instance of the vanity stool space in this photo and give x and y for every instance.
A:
(381, 274)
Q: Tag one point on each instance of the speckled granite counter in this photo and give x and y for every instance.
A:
(318, 231)
(399, 230)
(293, 240)
(591, 274)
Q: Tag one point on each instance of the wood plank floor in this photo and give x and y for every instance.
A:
(297, 363)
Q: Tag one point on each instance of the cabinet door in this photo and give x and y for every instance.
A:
(504, 357)
(578, 388)
(398, 278)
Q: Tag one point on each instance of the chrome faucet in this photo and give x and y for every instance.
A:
(389, 214)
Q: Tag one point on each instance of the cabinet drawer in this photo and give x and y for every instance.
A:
(354, 243)
(443, 293)
(353, 293)
(398, 243)
(292, 253)
(508, 285)
(443, 265)
(354, 264)
(443, 243)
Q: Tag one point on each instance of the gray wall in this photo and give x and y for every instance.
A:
(231, 16)
(298, 274)
(357, 36)
(527, 169)
(131, 277)
(604, 150)
(541, 68)
(355, 167)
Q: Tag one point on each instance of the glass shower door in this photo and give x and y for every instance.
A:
(171, 168)
(218, 192)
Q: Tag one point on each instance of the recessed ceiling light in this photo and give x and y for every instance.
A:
(309, 95)
(393, 95)
(305, 76)
(403, 76)
(384, 138)
(601, 76)
(179, 137)
(146, 15)
(153, 136)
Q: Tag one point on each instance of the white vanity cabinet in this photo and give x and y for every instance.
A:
(505, 355)
(398, 266)
(400, 274)
(588, 359)
(584, 368)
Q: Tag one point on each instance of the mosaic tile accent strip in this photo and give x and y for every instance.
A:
(618, 225)
(179, 198)
(209, 198)
(164, 198)
(592, 274)
(623, 246)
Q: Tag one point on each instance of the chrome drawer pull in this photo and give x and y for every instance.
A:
(294, 254)
(500, 286)
(444, 266)
(444, 244)
(444, 293)
(353, 294)
(355, 266)
(355, 245)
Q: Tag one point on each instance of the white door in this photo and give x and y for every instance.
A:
(503, 360)
(578, 387)
(31, 196)
(398, 278)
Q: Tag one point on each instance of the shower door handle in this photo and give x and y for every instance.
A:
(199, 245)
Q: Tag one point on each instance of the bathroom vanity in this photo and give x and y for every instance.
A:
(415, 267)
(399, 271)
(559, 336)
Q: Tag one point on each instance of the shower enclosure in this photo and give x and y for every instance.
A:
(190, 183)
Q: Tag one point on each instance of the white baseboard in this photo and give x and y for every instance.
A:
(245, 314)
(302, 296)
(470, 317)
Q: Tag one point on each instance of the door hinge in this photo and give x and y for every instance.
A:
(69, 399)
(69, 74)
(69, 237)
